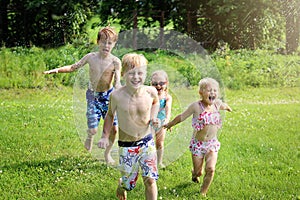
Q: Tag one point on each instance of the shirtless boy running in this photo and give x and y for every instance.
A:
(137, 107)
(104, 77)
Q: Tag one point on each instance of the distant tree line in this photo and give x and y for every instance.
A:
(247, 24)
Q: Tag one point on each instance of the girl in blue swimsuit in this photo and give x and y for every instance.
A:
(206, 122)
(159, 80)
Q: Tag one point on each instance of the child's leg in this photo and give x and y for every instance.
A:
(107, 152)
(197, 168)
(121, 192)
(211, 161)
(90, 138)
(150, 188)
(159, 142)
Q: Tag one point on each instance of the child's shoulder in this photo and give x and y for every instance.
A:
(118, 92)
(195, 105)
(115, 60)
(150, 89)
(168, 97)
(218, 103)
(114, 57)
(92, 54)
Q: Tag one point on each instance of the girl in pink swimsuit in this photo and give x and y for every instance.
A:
(206, 122)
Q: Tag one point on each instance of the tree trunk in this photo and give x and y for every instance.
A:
(292, 29)
(135, 26)
(161, 30)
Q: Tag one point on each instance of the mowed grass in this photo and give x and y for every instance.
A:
(42, 156)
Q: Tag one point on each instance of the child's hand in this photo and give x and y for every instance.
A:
(103, 143)
(156, 123)
(168, 127)
(52, 71)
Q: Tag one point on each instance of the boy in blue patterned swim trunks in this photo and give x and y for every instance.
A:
(137, 107)
(104, 76)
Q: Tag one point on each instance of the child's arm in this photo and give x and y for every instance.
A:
(181, 117)
(108, 123)
(224, 106)
(155, 108)
(64, 69)
(68, 68)
(117, 81)
(168, 108)
(172, 123)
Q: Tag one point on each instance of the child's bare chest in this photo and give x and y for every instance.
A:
(140, 105)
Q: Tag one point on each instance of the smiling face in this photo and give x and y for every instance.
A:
(136, 77)
(159, 81)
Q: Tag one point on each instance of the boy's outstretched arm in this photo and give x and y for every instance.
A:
(64, 69)
(69, 68)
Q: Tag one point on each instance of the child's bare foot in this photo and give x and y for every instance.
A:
(195, 178)
(121, 192)
(89, 143)
(162, 166)
(108, 159)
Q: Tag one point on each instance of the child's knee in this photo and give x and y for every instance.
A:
(198, 172)
(114, 130)
(210, 170)
(159, 145)
(148, 182)
(92, 131)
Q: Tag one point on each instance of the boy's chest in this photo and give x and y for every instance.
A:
(101, 66)
(137, 105)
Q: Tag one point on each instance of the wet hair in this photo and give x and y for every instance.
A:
(133, 60)
(107, 33)
(205, 81)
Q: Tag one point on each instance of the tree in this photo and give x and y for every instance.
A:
(3, 19)
(291, 12)
(43, 23)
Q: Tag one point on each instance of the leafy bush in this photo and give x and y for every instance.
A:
(22, 67)
(242, 68)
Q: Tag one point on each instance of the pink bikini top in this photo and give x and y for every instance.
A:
(206, 118)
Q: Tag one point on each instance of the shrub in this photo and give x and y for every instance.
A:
(23, 67)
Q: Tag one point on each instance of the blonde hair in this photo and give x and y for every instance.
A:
(107, 33)
(205, 81)
(133, 60)
(164, 74)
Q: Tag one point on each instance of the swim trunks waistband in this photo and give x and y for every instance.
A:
(140, 142)
(103, 92)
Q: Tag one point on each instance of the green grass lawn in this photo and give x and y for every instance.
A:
(42, 155)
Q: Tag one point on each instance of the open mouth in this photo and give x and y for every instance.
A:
(211, 98)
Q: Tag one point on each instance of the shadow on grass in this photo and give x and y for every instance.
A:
(71, 177)
(67, 163)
